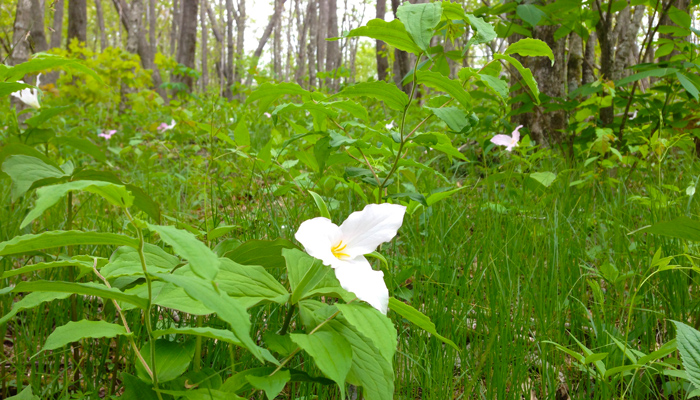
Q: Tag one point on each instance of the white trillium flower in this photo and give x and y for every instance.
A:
(343, 248)
(390, 125)
(508, 141)
(28, 96)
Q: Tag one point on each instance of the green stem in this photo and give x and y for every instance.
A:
(197, 364)
(149, 285)
(287, 320)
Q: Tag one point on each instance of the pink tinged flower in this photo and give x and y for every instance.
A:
(28, 96)
(508, 141)
(268, 115)
(107, 135)
(343, 248)
(165, 127)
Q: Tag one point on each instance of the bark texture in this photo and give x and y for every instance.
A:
(187, 44)
(57, 29)
(382, 57)
(332, 48)
(101, 24)
(77, 20)
(401, 60)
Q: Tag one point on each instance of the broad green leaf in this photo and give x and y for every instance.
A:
(373, 325)
(688, 85)
(544, 178)
(656, 72)
(241, 134)
(525, 73)
(498, 85)
(136, 389)
(531, 48)
(456, 119)
(420, 21)
(444, 144)
(90, 289)
(435, 197)
(202, 260)
(369, 369)
(84, 267)
(239, 383)
(172, 359)
(351, 107)
(440, 82)
(45, 114)
(266, 253)
(271, 385)
(269, 92)
(303, 272)
(418, 318)
(74, 331)
(320, 204)
(25, 394)
(308, 106)
(680, 228)
(226, 307)
(125, 261)
(594, 357)
(7, 88)
(82, 145)
(682, 19)
(221, 230)
(47, 196)
(530, 13)
(331, 353)
(688, 341)
(484, 31)
(32, 300)
(281, 344)
(211, 333)
(28, 243)
(251, 284)
(169, 296)
(25, 170)
(393, 33)
(201, 394)
(392, 96)
(43, 61)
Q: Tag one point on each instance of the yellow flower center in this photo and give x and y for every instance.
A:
(338, 249)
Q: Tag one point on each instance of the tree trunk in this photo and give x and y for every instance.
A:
(23, 22)
(382, 56)
(587, 69)
(575, 62)
(205, 43)
(187, 45)
(321, 43)
(38, 37)
(332, 48)
(57, 31)
(101, 24)
(301, 54)
(212, 21)
(174, 27)
(401, 60)
(229, 65)
(277, 46)
(77, 20)
(134, 25)
(152, 21)
(604, 31)
(263, 40)
(240, 42)
(626, 41)
(311, 46)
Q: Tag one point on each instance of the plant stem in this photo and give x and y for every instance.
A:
(149, 325)
(71, 278)
(287, 320)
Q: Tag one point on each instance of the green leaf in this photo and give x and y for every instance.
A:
(125, 261)
(82, 145)
(420, 21)
(594, 357)
(7, 88)
(43, 61)
(202, 260)
(456, 119)
(303, 271)
(82, 265)
(530, 14)
(419, 319)
(32, 300)
(331, 353)
(25, 394)
(47, 196)
(524, 72)
(169, 296)
(250, 284)
(484, 31)
(269, 92)
(136, 389)
(682, 19)
(25, 170)
(271, 385)
(266, 253)
(320, 204)
(211, 333)
(688, 341)
(392, 96)
(90, 289)
(665, 349)
(498, 85)
(45, 114)
(351, 107)
(373, 325)
(172, 359)
(226, 307)
(241, 134)
(74, 331)
(440, 82)
(688, 85)
(531, 48)
(239, 382)
(393, 33)
(544, 178)
(656, 72)
(680, 228)
(28, 243)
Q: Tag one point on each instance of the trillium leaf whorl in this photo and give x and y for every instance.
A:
(343, 248)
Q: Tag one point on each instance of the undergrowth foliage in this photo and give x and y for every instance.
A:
(158, 238)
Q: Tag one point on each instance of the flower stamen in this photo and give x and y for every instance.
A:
(338, 249)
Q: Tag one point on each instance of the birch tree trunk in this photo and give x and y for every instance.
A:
(187, 44)
(240, 42)
(265, 36)
(382, 57)
(101, 24)
(77, 20)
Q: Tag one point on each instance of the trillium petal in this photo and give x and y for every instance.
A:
(365, 230)
(501, 140)
(358, 277)
(318, 236)
(516, 134)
